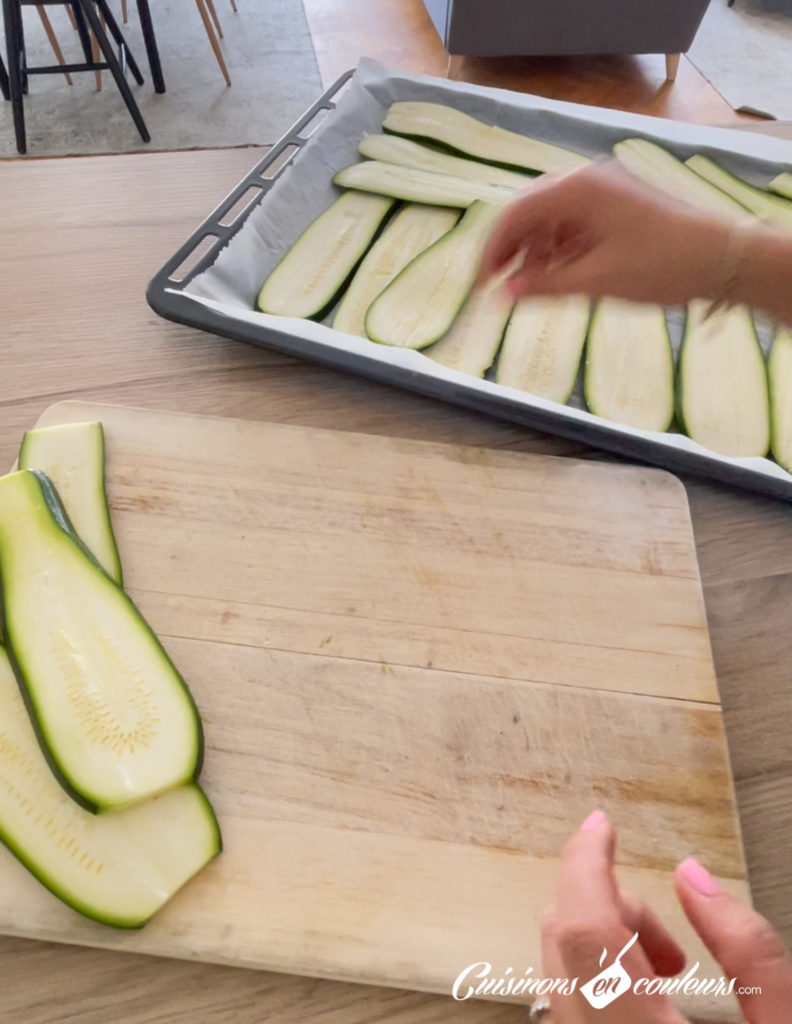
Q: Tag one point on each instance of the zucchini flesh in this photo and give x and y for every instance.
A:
(412, 230)
(465, 134)
(118, 868)
(475, 336)
(723, 392)
(657, 167)
(112, 713)
(769, 208)
(782, 185)
(542, 347)
(310, 276)
(629, 376)
(419, 306)
(417, 186)
(393, 149)
(780, 374)
(73, 455)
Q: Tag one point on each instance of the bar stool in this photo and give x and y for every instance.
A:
(87, 22)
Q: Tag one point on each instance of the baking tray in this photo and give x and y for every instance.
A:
(167, 294)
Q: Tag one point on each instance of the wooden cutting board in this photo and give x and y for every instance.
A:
(419, 667)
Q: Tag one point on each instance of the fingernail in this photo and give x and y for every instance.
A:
(594, 820)
(698, 878)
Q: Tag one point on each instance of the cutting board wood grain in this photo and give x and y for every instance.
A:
(419, 667)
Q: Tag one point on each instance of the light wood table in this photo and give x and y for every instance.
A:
(80, 240)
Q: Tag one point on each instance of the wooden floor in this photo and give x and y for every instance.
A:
(400, 33)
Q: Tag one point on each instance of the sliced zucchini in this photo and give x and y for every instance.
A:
(658, 168)
(417, 186)
(311, 275)
(465, 134)
(112, 713)
(412, 230)
(723, 394)
(118, 869)
(782, 185)
(769, 208)
(629, 375)
(392, 149)
(419, 306)
(73, 457)
(475, 336)
(542, 347)
(780, 374)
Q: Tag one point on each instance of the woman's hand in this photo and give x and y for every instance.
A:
(599, 231)
(591, 914)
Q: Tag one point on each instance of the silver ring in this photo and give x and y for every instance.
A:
(538, 1010)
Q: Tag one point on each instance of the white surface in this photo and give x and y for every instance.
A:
(230, 285)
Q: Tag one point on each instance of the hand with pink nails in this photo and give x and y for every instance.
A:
(592, 914)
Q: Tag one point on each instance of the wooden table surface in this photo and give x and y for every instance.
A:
(80, 239)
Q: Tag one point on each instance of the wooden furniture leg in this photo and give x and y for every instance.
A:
(234, 7)
(213, 15)
(71, 17)
(96, 55)
(213, 39)
(124, 12)
(53, 40)
(672, 66)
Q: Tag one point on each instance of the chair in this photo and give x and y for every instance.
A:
(499, 28)
(90, 17)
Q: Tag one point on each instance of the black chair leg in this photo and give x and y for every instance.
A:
(12, 18)
(82, 32)
(4, 81)
(150, 39)
(115, 32)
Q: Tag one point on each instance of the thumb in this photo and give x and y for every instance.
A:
(745, 945)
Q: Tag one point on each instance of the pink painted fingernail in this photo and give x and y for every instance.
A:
(594, 820)
(698, 878)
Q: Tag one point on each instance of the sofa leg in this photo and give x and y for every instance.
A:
(672, 66)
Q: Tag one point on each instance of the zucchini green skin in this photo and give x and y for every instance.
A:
(59, 521)
(40, 450)
(764, 205)
(25, 776)
(381, 208)
(781, 185)
(780, 379)
(414, 185)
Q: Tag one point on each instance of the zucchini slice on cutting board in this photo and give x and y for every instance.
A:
(475, 336)
(419, 306)
(629, 376)
(393, 149)
(112, 713)
(780, 374)
(73, 456)
(723, 393)
(418, 186)
(782, 185)
(769, 208)
(657, 167)
(543, 344)
(312, 274)
(411, 231)
(473, 138)
(119, 868)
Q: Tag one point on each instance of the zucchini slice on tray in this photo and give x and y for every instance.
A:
(112, 713)
(780, 373)
(72, 455)
(315, 270)
(542, 348)
(418, 186)
(119, 868)
(782, 185)
(475, 336)
(723, 394)
(629, 375)
(392, 149)
(769, 208)
(473, 138)
(419, 306)
(411, 231)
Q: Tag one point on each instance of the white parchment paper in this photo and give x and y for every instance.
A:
(305, 189)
